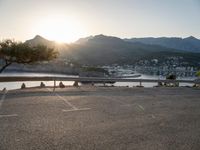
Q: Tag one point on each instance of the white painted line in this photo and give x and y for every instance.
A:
(128, 105)
(49, 90)
(74, 108)
(141, 107)
(3, 99)
(1, 103)
(5, 116)
(82, 109)
(66, 101)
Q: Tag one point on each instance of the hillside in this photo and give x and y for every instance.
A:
(39, 40)
(102, 50)
(109, 50)
(191, 43)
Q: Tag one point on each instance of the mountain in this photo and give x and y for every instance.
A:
(101, 49)
(82, 40)
(191, 43)
(106, 50)
(39, 40)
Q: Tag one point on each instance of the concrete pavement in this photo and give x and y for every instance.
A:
(102, 118)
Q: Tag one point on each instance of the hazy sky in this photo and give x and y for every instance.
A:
(67, 20)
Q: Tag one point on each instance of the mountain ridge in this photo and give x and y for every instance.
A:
(101, 50)
(39, 40)
(190, 43)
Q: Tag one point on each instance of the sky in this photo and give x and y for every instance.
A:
(69, 20)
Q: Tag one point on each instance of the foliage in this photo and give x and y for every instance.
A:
(17, 52)
(95, 69)
(198, 74)
(171, 77)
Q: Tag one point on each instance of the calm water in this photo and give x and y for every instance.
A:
(17, 85)
(131, 84)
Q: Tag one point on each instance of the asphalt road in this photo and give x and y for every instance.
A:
(103, 118)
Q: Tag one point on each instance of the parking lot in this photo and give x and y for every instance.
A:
(102, 118)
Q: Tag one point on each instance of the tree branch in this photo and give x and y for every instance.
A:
(5, 66)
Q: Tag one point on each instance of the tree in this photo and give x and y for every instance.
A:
(198, 74)
(22, 53)
(171, 77)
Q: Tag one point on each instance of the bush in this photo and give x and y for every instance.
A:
(198, 74)
(171, 77)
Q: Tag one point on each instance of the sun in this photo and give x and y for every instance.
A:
(60, 28)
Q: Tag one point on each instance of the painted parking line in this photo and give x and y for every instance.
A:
(140, 106)
(73, 108)
(5, 116)
(67, 102)
(1, 103)
(3, 98)
(137, 105)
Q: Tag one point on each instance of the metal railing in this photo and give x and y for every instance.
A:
(79, 79)
(89, 79)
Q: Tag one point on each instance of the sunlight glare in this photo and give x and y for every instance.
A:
(60, 29)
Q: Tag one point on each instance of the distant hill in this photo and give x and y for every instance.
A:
(39, 40)
(101, 50)
(191, 43)
(82, 40)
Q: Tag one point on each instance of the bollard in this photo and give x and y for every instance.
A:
(140, 83)
(75, 83)
(61, 85)
(42, 85)
(176, 84)
(54, 85)
(196, 85)
(4, 90)
(23, 86)
(160, 84)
